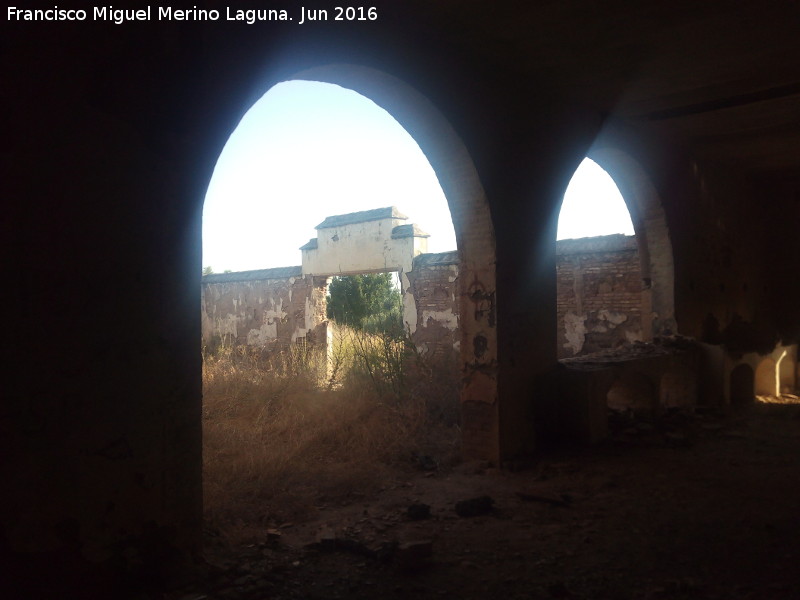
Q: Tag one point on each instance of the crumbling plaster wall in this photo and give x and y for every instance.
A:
(733, 259)
(729, 257)
(431, 305)
(599, 291)
(271, 308)
(599, 295)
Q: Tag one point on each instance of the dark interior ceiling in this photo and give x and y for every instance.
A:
(721, 78)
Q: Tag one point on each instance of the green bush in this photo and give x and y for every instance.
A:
(369, 302)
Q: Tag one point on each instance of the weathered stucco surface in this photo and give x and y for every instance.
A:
(433, 289)
(270, 308)
(599, 288)
(599, 294)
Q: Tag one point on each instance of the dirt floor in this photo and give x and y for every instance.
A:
(689, 506)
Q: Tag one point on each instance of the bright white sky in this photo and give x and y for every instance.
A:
(308, 150)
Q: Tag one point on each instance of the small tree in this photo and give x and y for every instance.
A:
(208, 271)
(369, 301)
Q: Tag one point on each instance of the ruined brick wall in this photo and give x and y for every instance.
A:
(268, 308)
(599, 297)
(273, 308)
(432, 311)
(599, 294)
(599, 301)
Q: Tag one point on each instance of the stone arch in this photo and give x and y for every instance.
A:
(473, 227)
(652, 236)
(742, 384)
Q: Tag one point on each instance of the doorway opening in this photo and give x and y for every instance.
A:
(742, 383)
(283, 433)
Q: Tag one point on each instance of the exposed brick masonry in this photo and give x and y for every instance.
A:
(599, 300)
(434, 285)
(599, 294)
(270, 308)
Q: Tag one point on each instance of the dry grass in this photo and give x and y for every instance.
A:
(280, 438)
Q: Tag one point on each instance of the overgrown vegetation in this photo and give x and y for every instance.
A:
(370, 302)
(288, 431)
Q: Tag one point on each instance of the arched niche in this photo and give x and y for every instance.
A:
(652, 236)
(742, 384)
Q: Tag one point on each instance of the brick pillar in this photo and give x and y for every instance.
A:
(525, 194)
